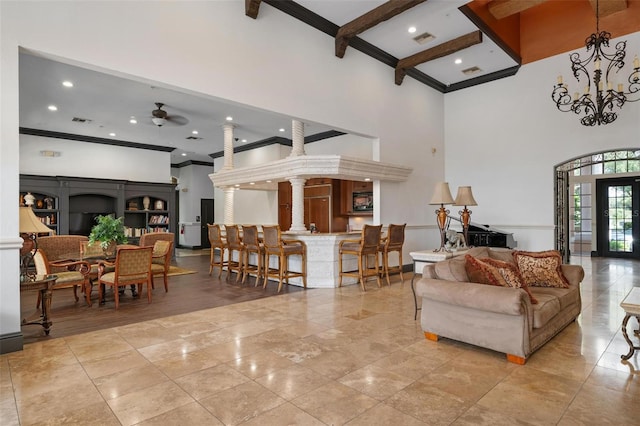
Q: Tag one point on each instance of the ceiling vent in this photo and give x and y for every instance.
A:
(193, 138)
(424, 38)
(471, 71)
(81, 120)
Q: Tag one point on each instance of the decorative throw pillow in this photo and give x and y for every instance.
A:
(483, 273)
(541, 269)
(511, 275)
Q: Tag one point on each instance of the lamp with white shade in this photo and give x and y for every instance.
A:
(442, 196)
(29, 227)
(464, 197)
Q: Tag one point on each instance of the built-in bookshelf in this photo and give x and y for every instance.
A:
(45, 207)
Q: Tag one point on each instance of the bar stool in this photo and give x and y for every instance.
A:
(274, 245)
(234, 244)
(252, 244)
(393, 241)
(364, 248)
(217, 242)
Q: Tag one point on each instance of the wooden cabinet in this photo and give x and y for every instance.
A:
(364, 192)
(321, 205)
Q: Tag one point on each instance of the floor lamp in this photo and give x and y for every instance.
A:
(29, 227)
(464, 197)
(442, 196)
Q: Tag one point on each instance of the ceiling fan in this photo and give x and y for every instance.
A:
(160, 117)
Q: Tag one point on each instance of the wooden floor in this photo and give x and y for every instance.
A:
(187, 293)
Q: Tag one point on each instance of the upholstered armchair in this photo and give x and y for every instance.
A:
(132, 266)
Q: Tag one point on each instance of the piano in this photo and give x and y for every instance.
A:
(486, 235)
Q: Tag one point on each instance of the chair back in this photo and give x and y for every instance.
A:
(215, 235)
(370, 241)
(57, 246)
(150, 238)
(250, 236)
(41, 262)
(233, 236)
(133, 264)
(90, 250)
(162, 252)
(271, 236)
(395, 237)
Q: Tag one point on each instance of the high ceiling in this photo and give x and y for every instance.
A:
(494, 37)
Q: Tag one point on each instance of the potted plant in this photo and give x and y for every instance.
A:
(109, 232)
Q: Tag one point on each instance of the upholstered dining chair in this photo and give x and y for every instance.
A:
(365, 249)
(234, 245)
(132, 266)
(217, 243)
(89, 253)
(161, 260)
(393, 241)
(274, 245)
(252, 244)
(71, 274)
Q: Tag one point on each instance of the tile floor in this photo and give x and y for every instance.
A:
(328, 357)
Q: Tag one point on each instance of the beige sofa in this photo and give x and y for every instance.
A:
(498, 318)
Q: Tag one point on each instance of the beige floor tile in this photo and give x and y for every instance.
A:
(292, 382)
(168, 349)
(285, 414)
(97, 344)
(621, 381)
(204, 383)
(29, 384)
(260, 363)
(189, 414)
(8, 408)
(479, 416)
(297, 350)
(595, 405)
(123, 382)
(241, 403)
(93, 414)
(375, 381)
(383, 414)
(147, 403)
(190, 362)
(408, 364)
(114, 363)
(334, 403)
(333, 363)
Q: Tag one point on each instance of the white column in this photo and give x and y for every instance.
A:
(228, 147)
(297, 204)
(297, 133)
(228, 204)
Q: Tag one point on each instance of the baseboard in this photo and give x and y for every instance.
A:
(190, 247)
(11, 342)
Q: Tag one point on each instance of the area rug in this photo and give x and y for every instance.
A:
(175, 270)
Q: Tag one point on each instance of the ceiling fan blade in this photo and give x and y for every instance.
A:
(178, 120)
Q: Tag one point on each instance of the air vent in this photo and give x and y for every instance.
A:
(81, 120)
(472, 70)
(192, 138)
(424, 38)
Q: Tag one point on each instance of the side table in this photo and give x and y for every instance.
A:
(43, 284)
(422, 258)
(631, 306)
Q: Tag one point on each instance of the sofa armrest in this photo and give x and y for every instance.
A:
(573, 273)
(504, 300)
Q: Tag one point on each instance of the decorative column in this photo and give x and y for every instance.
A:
(228, 204)
(297, 133)
(228, 146)
(297, 204)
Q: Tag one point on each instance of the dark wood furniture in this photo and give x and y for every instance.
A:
(234, 245)
(217, 243)
(252, 244)
(274, 245)
(392, 242)
(44, 285)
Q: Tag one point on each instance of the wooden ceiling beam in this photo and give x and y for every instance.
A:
(503, 8)
(436, 52)
(607, 7)
(369, 20)
(251, 8)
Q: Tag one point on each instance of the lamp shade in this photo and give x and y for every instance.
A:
(441, 194)
(30, 224)
(464, 197)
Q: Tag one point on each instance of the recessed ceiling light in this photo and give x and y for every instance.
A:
(244, 141)
(195, 132)
(237, 185)
(458, 61)
(52, 108)
(367, 179)
(229, 118)
(184, 154)
(268, 181)
(112, 134)
(67, 83)
(252, 183)
(412, 30)
(282, 130)
(133, 120)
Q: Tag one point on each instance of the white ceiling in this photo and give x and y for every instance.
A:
(110, 101)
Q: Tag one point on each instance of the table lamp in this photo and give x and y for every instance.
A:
(464, 197)
(29, 227)
(442, 196)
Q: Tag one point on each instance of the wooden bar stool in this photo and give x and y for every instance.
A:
(234, 244)
(217, 242)
(364, 249)
(393, 241)
(274, 245)
(252, 244)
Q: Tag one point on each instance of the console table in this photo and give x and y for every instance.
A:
(43, 284)
(422, 258)
(631, 306)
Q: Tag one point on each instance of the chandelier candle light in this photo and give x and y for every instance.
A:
(464, 197)
(598, 106)
(442, 196)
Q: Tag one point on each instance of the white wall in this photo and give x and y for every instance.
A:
(194, 185)
(504, 139)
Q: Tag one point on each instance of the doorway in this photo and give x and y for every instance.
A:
(206, 216)
(618, 218)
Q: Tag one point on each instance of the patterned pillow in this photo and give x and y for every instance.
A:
(483, 273)
(511, 275)
(541, 269)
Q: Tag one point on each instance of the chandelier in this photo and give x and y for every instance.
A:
(599, 102)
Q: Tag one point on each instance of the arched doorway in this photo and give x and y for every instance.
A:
(597, 204)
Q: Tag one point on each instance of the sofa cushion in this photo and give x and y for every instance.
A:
(482, 272)
(503, 255)
(451, 270)
(511, 275)
(543, 269)
(566, 297)
(548, 307)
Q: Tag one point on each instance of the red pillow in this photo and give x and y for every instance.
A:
(541, 269)
(511, 275)
(483, 273)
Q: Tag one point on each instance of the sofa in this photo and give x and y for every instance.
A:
(497, 317)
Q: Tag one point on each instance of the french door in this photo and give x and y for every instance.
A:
(619, 217)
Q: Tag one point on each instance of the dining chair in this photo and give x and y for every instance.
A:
(234, 244)
(160, 262)
(364, 249)
(132, 266)
(393, 241)
(217, 243)
(71, 274)
(252, 244)
(274, 245)
(92, 254)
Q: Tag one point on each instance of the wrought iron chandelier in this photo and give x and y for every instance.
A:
(601, 106)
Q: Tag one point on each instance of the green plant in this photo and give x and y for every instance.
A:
(107, 230)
